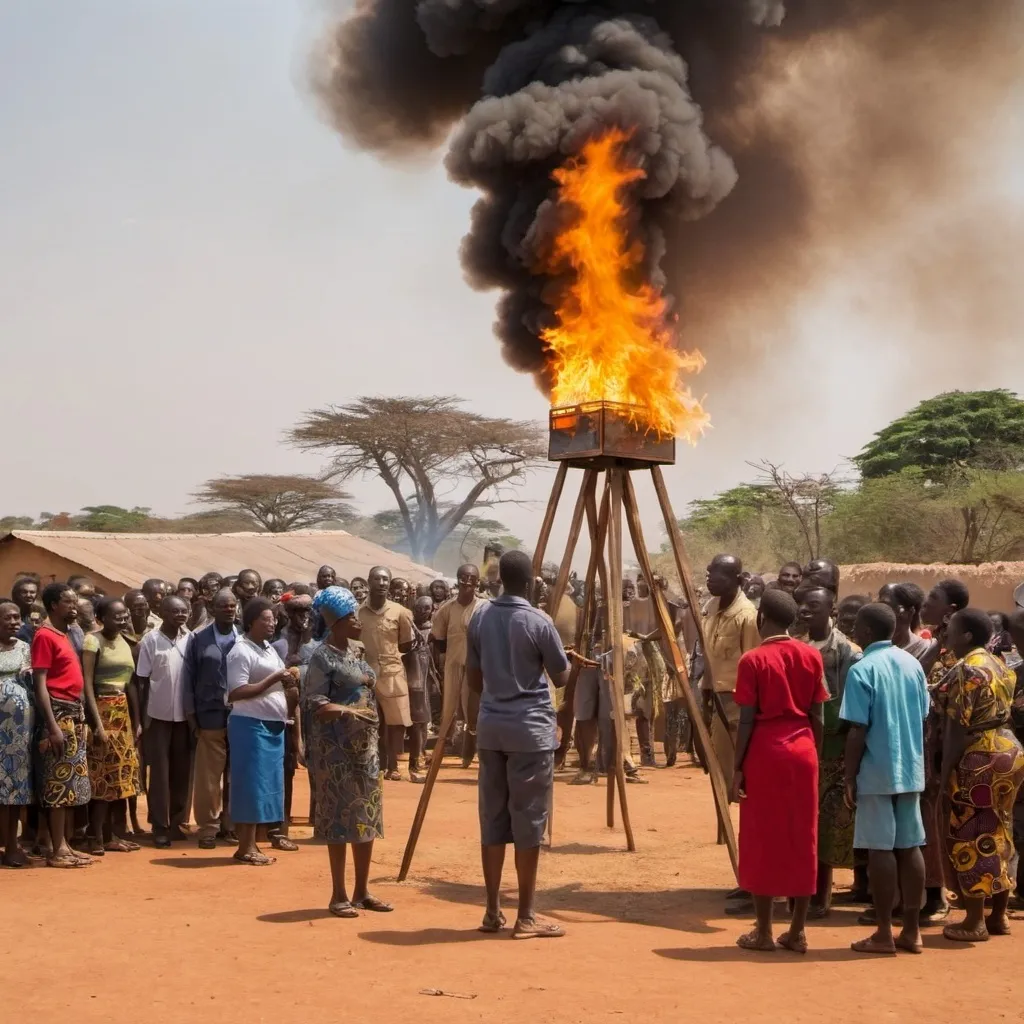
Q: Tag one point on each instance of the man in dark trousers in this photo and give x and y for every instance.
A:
(204, 692)
(511, 645)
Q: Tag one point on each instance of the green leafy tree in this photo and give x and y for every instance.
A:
(274, 503)
(439, 461)
(949, 434)
(112, 519)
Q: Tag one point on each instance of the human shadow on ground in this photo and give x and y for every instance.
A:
(429, 937)
(295, 916)
(685, 910)
(185, 860)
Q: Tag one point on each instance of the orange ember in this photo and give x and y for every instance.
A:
(613, 341)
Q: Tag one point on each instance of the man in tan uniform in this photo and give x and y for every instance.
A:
(388, 633)
(448, 629)
(730, 628)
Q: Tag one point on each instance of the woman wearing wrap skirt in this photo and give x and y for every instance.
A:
(61, 768)
(342, 749)
(108, 666)
(982, 771)
(17, 718)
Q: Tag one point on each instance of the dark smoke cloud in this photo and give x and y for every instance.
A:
(779, 139)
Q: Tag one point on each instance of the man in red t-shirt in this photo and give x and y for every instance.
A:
(63, 777)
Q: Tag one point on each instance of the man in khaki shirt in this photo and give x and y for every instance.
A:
(388, 633)
(451, 621)
(730, 629)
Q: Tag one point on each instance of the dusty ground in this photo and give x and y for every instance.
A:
(188, 936)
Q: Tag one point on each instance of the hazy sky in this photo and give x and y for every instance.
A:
(190, 258)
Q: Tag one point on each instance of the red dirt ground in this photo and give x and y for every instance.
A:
(188, 935)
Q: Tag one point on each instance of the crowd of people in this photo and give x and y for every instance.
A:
(879, 733)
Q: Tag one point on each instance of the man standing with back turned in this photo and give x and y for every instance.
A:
(511, 645)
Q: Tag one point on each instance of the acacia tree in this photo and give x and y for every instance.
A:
(277, 503)
(808, 498)
(439, 461)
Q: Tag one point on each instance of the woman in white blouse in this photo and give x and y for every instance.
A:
(261, 692)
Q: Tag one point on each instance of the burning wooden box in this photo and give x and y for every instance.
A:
(599, 434)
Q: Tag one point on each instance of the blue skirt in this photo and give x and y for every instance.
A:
(256, 755)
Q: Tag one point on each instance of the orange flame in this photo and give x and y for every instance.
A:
(613, 341)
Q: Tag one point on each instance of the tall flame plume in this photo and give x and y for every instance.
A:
(612, 340)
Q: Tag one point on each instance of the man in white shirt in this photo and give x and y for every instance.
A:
(167, 736)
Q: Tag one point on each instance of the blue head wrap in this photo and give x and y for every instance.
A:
(335, 603)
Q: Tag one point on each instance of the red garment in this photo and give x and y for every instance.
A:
(778, 851)
(53, 651)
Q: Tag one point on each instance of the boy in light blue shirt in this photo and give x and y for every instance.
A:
(885, 703)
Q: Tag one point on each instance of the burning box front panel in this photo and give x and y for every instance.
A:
(605, 431)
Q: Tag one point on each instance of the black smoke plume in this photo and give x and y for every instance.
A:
(775, 135)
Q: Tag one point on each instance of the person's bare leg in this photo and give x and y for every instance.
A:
(998, 922)
(468, 748)
(912, 895)
(14, 856)
(586, 738)
(796, 938)
(882, 869)
(362, 855)
(59, 820)
(415, 749)
(248, 852)
(493, 860)
(395, 744)
(822, 901)
(336, 854)
(761, 938)
(97, 823)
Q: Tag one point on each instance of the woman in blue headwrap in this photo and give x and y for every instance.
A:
(342, 750)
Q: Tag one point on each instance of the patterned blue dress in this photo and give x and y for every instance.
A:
(17, 726)
(342, 752)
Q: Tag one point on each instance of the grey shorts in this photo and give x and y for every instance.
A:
(513, 796)
(593, 696)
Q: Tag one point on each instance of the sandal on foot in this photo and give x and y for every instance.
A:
(583, 779)
(66, 862)
(95, 848)
(492, 923)
(257, 860)
(796, 944)
(393, 776)
(342, 908)
(999, 926)
(755, 943)
(537, 929)
(909, 945)
(372, 903)
(283, 843)
(957, 933)
(871, 945)
(207, 843)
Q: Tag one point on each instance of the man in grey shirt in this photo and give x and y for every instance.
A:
(511, 645)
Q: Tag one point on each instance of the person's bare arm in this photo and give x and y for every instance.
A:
(817, 717)
(475, 679)
(856, 742)
(54, 737)
(89, 658)
(748, 717)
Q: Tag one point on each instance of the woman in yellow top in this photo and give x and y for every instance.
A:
(982, 769)
(108, 667)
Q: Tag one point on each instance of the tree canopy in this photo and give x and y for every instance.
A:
(439, 460)
(275, 503)
(950, 433)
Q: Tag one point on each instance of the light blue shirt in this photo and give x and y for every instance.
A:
(513, 644)
(886, 691)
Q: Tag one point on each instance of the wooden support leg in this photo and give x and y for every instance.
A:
(436, 757)
(614, 601)
(718, 786)
(549, 517)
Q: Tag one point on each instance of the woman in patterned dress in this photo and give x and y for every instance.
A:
(342, 749)
(982, 770)
(108, 666)
(17, 722)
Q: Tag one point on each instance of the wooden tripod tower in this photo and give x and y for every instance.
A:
(602, 440)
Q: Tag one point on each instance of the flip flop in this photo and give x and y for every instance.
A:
(755, 944)
(957, 933)
(537, 930)
(256, 860)
(283, 843)
(66, 862)
(869, 945)
(492, 923)
(793, 945)
(372, 903)
(342, 908)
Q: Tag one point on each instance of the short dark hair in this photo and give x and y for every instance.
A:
(801, 593)
(955, 592)
(189, 579)
(976, 622)
(301, 588)
(1004, 619)
(515, 570)
(855, 601)
(879, 620)
(104, 603)
(273, 579)
(21, 581)
(52, 593)
(249, 572)
(792, 565)
(32, 577)
(253, 610)
(779, 607)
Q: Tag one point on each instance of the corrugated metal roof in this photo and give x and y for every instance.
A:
(130, 558)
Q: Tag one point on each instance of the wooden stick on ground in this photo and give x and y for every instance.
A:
(718, 786)
(614, 601)
(436, 758)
